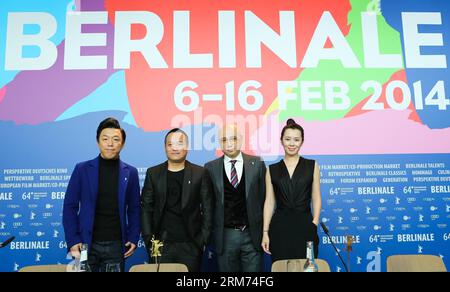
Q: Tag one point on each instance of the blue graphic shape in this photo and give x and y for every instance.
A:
(111, 96)
(431, 116)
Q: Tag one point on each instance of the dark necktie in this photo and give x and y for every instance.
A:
(234, 178)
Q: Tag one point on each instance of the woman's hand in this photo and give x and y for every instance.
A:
(265, 242)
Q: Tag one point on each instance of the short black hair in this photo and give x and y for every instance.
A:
(176, 130)
(110, 123)
(291, 124)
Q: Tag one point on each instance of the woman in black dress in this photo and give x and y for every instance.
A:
(293, 200)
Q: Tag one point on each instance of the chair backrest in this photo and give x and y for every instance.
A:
(44, 269)
(415, 263)
(296, 265)
(162, 268)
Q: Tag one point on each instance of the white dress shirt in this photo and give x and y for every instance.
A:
(239, 166)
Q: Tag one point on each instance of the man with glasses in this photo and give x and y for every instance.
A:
(239, 193)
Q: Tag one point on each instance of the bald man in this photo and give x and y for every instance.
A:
(239, 193)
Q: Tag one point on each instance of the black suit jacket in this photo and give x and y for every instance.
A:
(196, 203)
(255, 190)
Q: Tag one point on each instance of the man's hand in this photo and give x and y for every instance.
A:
(131, 248)
(75, 251)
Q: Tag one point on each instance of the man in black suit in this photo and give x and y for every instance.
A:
(239, 192)
(177, 205)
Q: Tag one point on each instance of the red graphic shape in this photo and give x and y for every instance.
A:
(151, 91)
(398, 76)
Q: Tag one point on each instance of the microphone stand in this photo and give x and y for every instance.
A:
(158, 264)
(349, 249)
(325, 229)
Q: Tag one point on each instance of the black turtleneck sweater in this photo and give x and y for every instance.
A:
(107, 219)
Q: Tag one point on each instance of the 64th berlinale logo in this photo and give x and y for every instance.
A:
(335, 191)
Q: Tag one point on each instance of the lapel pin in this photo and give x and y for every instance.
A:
(189, 182)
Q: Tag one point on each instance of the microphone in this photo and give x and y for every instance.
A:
(8, 241)
(325, 229)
